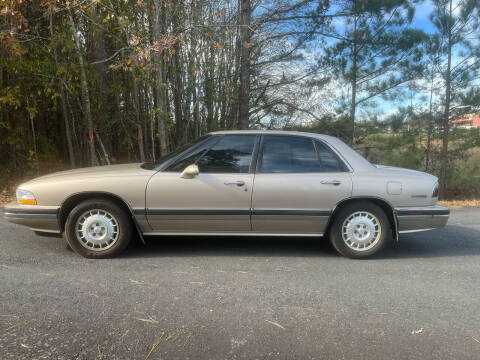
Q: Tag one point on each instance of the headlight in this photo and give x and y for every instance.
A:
(25, 197)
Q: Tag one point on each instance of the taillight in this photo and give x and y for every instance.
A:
(436, 191)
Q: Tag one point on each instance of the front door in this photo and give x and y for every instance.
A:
(216, 200)
(297, 184)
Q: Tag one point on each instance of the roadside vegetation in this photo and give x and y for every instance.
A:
(90, 82)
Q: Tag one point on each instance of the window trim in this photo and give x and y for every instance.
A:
(335, 155)
(341, 158)
(256, 149)
(220, 137)
(162, 167)
(344, 163)
(257, 154)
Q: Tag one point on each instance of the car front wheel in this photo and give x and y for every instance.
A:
(98, 228)
(359, 230)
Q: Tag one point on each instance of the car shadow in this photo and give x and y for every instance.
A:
(450, 241)
(453, 240)
(187, 246)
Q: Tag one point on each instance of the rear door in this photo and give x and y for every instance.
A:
(298, 182)
(216, 200)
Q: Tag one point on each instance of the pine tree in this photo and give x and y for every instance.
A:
(375, 49)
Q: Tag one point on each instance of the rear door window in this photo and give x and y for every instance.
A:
(289, 154)
(328, 160)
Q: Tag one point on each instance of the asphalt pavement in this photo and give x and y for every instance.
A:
(243, 298)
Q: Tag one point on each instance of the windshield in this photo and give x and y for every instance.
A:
(164, 159)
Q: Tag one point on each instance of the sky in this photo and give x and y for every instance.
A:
(382, 108)
(385, 108)
(420, 21)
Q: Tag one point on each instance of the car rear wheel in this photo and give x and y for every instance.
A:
(98, 228)
(359, 230)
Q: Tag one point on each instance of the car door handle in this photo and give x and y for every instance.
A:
(331, 182)
(238, 183)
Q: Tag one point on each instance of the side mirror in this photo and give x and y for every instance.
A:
(190, 172)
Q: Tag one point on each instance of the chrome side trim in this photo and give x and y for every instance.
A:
(32, 211)
(207, 212)
(291, 212)
(172, 233)
(421, 212)
(414, 231)
(29, 215)
(46, 231)
(424, 208)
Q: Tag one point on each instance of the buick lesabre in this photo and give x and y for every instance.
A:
(242, 183)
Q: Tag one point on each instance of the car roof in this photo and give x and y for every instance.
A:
(273, 132)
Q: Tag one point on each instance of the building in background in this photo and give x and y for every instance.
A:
(467, 121)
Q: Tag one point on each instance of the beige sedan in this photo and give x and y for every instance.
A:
(248, 183)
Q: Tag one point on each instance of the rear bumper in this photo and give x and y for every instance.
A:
(37, 218)
(412, 219)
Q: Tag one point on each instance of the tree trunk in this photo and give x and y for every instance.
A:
(63, 103)
(244, 90)
(353, 104)
(85, 93)
(160, 92)
(105, 154)
(152, 90)
(106, 117)
(446, 115)
(429, 127)
(138, 124)
(76, 143)
(177, 99)
(140, 142)
(209, 84)
(71, 153)
(35, 153)
(178, 90)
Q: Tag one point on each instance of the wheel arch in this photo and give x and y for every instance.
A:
(382, 203)
(73, 200)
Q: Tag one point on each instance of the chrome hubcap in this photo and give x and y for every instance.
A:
(97, 229)
(361, 231)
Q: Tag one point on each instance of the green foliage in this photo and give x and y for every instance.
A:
(408, 150)
(463, 178)
(396, 150)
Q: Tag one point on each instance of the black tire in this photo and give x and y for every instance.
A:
(121, 223)
(377, 242)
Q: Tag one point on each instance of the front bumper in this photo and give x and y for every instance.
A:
(412, 219)
(37, 218)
